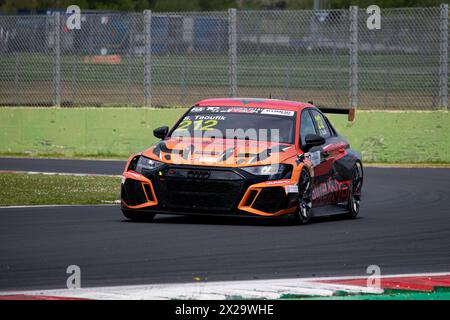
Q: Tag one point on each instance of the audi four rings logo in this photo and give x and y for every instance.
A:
(198, 174)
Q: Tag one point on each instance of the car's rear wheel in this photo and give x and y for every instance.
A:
(303, 214)
(354, 198)
(138, 216)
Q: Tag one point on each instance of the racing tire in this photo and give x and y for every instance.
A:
(304, 212)
(138, 216)
(354, 197)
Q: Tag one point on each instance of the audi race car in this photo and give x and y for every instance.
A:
(246, 157)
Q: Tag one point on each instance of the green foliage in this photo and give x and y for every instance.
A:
(207, 5)
(337, 4)
(176, 5)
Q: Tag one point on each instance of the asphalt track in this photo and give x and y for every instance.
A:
(404, 227)
(62, 165)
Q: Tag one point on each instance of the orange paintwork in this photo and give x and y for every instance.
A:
(143, 180)
(258, 187)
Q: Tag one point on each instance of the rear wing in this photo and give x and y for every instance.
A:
(349, 111)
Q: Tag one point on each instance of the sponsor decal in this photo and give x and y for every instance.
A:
(241, 110)
(213, 109)
(275, 112)
(321, 125)
(277, 182)
(287, 113)
(291, 189)
(206, 117)
(331, 188)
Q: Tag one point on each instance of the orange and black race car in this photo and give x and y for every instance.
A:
(246, 157)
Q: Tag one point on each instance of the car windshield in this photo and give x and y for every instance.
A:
(260, 124)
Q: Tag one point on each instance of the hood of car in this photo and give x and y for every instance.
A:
(219, 152)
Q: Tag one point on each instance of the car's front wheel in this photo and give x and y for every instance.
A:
(303, 214)
(138, 216)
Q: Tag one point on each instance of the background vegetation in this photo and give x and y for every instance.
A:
(205, 5)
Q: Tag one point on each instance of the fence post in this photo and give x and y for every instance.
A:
(232, 52)
(353, 81)
(57, 60)
(443, 61)
(147, 58)
(16, 79)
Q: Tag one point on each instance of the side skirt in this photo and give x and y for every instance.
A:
(329, 210)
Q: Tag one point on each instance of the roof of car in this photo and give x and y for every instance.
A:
(253, 103)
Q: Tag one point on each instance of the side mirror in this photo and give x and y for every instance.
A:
(313, 140)
(161, 132)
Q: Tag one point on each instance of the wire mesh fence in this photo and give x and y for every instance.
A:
(399, 64)
(330, 57)
(100, 63)
(298, 55)
(26, 61)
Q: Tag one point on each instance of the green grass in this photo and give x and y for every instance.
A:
(39, 189)
(381, 137)
(102, 133)
(389, 294)
(400, 137)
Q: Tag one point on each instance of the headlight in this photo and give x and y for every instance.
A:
(274, 171)
(147, 164)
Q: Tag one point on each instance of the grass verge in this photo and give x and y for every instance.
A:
(381, 137)
(440, 293)
(40, 189)
(80, 133)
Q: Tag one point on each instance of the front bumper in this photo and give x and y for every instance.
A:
(207, 190)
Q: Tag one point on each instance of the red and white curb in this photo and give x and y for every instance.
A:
(252, 289)
(410, 282)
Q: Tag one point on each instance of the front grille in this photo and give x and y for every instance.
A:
(202, 186)
(186, 193)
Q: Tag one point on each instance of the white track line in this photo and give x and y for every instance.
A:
(61, 173)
